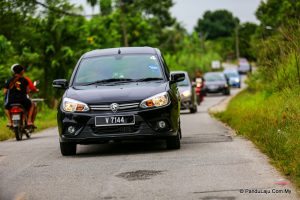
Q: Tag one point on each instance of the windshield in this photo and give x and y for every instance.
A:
(214, 77)
(116, 68)
(232, 74)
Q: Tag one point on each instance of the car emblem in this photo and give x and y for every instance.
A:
(114, 107)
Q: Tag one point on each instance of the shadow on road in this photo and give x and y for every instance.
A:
(122, 148)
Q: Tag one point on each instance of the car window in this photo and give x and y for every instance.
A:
(214, 77)
(232, 74)
(186, 82)
(138, 66)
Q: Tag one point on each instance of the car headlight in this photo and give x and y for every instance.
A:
(186, 93)
(158, 100)
(71, 105)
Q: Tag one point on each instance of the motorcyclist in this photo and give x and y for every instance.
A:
(199, 81)
(16, 91)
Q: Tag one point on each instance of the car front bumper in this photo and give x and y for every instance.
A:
(235, 83)
(186, 102)
(146, 126)
(216, 89)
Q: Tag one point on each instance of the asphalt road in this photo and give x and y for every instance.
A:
(212, 164)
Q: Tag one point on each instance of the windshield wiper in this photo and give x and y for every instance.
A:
(148, 79)
(111, 80)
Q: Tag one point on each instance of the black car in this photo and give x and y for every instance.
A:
(119, 94)
(187, 93)
(216, 82)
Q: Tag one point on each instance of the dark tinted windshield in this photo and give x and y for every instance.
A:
(214, 77)
(140, 66)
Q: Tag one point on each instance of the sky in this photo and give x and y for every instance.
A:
(189, 11)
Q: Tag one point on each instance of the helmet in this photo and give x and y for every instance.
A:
(16, 68)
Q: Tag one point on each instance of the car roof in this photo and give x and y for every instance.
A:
(230, 70)
(121, 50)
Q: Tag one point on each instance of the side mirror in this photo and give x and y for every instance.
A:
(177, 77)
(60, 84)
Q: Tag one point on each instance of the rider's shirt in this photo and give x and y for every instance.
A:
(18, 91)
(31, 86)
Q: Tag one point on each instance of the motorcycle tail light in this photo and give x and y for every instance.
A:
(16, 110)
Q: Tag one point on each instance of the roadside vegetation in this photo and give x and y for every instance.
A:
(48, 37)
(268, 111)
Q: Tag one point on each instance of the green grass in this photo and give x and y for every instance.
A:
(45, 119)
(272, 122)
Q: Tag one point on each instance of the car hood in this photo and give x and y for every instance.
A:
(131, 92)
(183, 88)
(234, 78)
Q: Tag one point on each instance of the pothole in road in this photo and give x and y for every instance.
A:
(139, 175)
(206, 138)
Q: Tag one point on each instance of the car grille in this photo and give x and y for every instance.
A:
(124, 107)
(116, 129)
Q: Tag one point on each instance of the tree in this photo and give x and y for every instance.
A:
(105, 7)
(220, 23)
(274, 13)
(246, 33)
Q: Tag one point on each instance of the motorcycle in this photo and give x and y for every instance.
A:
(200, 92)
(20, 117)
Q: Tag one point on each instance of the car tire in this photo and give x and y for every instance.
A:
(193, 109)
(67, 149)
(174, 141)
(226, 92)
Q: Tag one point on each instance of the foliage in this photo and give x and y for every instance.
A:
(222, 29)
(275, 13)
(105, 7)
(192, 59)
(279, 58)
(246, 35)
(220, 23)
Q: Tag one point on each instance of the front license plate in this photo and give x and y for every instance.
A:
(16, 117)
(213, 87)
(114, 120)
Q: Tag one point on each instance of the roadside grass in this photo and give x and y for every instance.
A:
(272, 122)
(46, 118)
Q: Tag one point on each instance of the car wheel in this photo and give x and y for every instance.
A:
(67, 149)
(174, 142)
(226, 92)
(193, 109)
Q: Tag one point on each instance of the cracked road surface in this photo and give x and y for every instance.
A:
(211, 165)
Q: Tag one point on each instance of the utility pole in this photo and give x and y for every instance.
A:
(123, 23)
(202, 40)
(237, 41)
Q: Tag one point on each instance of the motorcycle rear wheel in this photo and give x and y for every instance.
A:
(18, 133)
